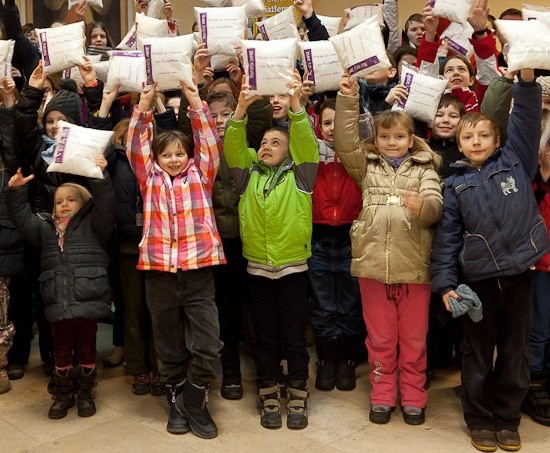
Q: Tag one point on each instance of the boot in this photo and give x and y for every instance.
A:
(297, 405)
(192, 404)
(64, 393)
(326, 363)
(231, 388)
(537, 401)
(85, 396)
(5, 385)
(5, 344)
(177, 423)
(270, 407)
(345, 367)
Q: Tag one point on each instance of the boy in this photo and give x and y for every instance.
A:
(483, 201)
(275, 186)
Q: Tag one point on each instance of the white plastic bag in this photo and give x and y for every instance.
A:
(458, 38)
(361, 50)
(155, 9)
(454, 10)
(358, 14)
(102, 70)
(169, 60)
(269, 65)
(149, 27)
(74, 72)
(332, 24)
(62, 47)
(528, 43)
(6, 55)
(254, 8)
(221, 29)
(322, 64)
(424, 94)
(96, 3)
(279, 26)
(129, 42)
(127, 69)
(536, 12)
(76, 150)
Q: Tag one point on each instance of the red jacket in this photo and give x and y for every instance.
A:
(542, 194)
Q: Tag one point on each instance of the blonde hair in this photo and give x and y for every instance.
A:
(83, 193)
(545, 135)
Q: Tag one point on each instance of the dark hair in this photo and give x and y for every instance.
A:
(234, 89)
(222, 97)
(472, 119)
(461, 58)
(328, 103)
(510, 12)
(416, 17)
(97, 24)
(28, 27)
(450, 100)
(301, 25)
(400, 52)
(278, 129)
(165, 138)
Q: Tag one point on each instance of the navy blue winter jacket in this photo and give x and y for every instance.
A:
(491, 225)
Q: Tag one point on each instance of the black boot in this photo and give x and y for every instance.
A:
(85, 396)
(270, 407)
(231, 388)
(177, 423)
(297, 405)
(326, 363)
(192, 404)
(537, 401)
(345, 367)
(64, 393)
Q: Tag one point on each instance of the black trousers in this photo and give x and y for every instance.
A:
(495, 389)
(279, 313)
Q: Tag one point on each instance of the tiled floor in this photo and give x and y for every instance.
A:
(338, 421)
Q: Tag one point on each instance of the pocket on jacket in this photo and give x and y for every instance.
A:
(46, 280)
(539, 236)
(476, 256)
(10, 239)
(91, 283)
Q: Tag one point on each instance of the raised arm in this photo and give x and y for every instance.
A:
(316, 31)
(103, 212)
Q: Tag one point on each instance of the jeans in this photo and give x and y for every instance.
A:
(185, 325)
(335, 305)
(539, 337)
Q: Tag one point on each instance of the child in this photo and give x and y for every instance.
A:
(335, 307)
(275, 185)
(390, 248)
(74, 283)
(491, 234)
(180, 244)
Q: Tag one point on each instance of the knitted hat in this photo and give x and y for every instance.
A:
(66, 101)
(544, 82)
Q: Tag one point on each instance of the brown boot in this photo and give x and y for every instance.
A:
(5, 385)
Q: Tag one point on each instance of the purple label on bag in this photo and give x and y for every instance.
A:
(263, 31)
(204, 26)
(67, 73)
(132, 39)
(363, 65)
(251, 56)
(432, 3)
(148, 64)
(45, 53)
(125, 53)
(531, 18)
(309, 65)
(456, 47)
(61, 147)
(407, 82)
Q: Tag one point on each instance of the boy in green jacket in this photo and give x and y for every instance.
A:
(275, 185)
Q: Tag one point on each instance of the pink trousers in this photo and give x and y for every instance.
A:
(396, 317)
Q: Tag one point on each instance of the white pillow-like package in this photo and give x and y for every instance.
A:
(74, 72)
(358, 15)
(424, 94)
(96, 3)
(62, 47)
(528, 43)
(279, 26)
(332, 24)
(221, 29)
(361, 50)
(322, 64)
(254, 8)
(536, 12)
(454, 10)
(269, 65)
(77, 148)
(129, 42)
(458, 38)
(155, 9)
(149, 27)
(6, 55)
(127, 69)
(102, 70)
(169, 60)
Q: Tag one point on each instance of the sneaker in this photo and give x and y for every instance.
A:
(231, 388)
(140, 384)
(15, 371)
(508, 440)
(380, 413)
(483, 439)
(297, 408)
(155, 387)
(413, 415)
(270, 407)
(115, 358)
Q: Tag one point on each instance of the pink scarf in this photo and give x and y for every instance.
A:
(60, 228)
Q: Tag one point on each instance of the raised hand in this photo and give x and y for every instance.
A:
(38, 77)
(107, 101)
(141, 6)
(18, 180)
(235, 73)
(295, 91)
(80, 9)
(101, 162)
(348, 87)
(479, 14)
(430, 23)
(244, 101)
(87, 72)
(147, 97)
(167, 10)
(7, 88)
(398, 93)
(305, 7)
(308, 89)
(191, 92)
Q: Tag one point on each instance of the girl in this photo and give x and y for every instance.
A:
(98, 40)
(180, 244)
(74, 282)
(390, 248)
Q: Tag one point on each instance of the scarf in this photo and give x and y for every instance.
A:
(47, 154)
(60, 228)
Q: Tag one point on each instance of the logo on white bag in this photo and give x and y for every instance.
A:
(508, 186)
(309, 65)
(251, 55)
(61, 146)
(45, 52)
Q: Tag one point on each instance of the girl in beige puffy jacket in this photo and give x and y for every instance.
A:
(391, 242)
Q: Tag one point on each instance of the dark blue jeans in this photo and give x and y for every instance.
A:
(335, 302)
(539, 337)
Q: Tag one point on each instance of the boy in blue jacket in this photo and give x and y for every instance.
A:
(489, 237)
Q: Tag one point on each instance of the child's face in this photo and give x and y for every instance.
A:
(67, 202)
(280, 103)
(457, 74)
(220, 112)
(407, 58)
(394, 141)
(381, 76)
(173, 159)
(478, 142)
(327, 124)
(98, 37)
(415, 32)
(52, 123)
(546, 103)
(445, 122)
(274, 148)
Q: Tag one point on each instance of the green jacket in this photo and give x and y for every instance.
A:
(275, 207)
